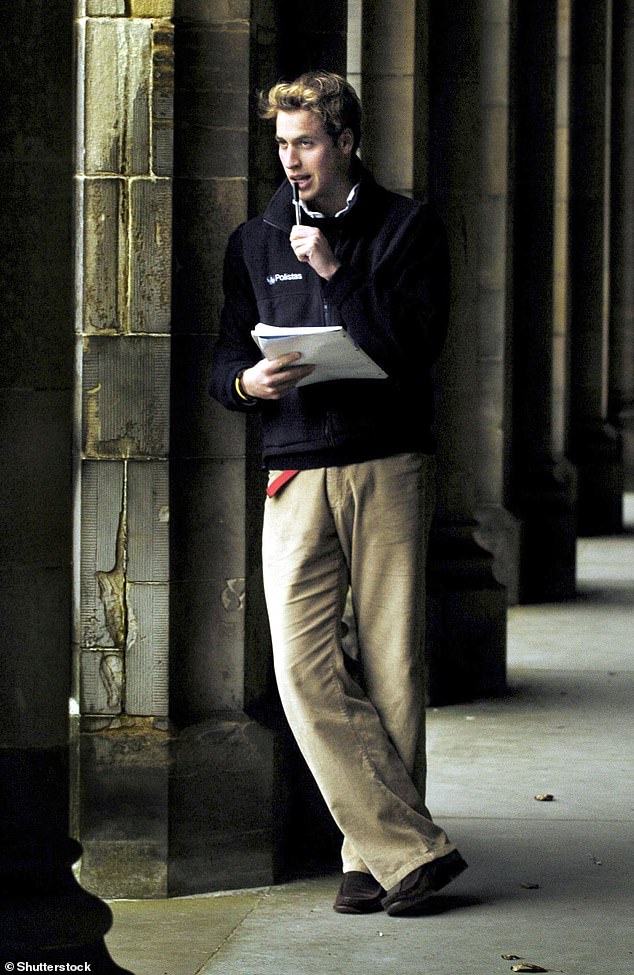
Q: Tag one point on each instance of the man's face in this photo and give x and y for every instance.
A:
(311, 159)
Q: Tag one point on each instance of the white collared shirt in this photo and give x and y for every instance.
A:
(316, 215)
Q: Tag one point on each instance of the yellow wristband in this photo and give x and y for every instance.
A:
(239, 390)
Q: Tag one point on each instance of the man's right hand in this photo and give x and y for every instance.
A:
(274, 378)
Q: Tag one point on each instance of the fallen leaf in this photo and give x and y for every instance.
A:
(527, 967)
(512, 957)
(530, 886)
(544, 797)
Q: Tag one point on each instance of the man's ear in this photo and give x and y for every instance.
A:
(346, 141)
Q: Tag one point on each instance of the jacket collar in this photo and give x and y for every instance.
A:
(279, 212)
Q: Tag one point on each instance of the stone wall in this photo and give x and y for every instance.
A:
(123, 359)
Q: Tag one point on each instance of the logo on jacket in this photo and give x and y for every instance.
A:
(276, 278)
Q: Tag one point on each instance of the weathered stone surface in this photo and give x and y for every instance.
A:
(105, 8)
(103, 536)
(210, 138)
(124, 811)
(229, 836)
(117, 96)
(126, 396)
(163, 99)
(150, 255)
(208, 517)
(148, 521)
(102, 679)
(147, 649)
(105, 255)
(152, 8)
(207, 666)
(209, 586)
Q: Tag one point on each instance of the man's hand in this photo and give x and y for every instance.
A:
(274, 378)
(311, 247)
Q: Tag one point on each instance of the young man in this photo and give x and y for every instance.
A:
(351, 479)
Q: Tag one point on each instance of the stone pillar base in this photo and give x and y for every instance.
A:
(466, 620)
(167, 814)
(597, 453)
(45, 916)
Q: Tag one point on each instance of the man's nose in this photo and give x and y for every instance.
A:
(291, 158)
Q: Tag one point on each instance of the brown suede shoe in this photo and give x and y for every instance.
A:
(408, 895)
(359, 893)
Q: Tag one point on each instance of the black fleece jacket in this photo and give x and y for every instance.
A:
(390, 293)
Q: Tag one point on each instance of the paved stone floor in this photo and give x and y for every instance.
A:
(550, 882)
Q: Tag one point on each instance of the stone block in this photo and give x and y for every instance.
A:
(226, 806)
(105, 255)
(389, 102)
(208, 512)
(105, 8)
(102, 557)
(148, 522)
(389, 32)
(117, 96)
(150, 255)
(102, 678)
(205, 213)
(124, 811)
(207, 669)
(152, 8)
(163, 99)
(214, 56)
(200, 426)
(126, 384)
(147, 649)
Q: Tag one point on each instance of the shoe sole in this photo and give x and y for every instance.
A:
(437, 878)
(351, 909)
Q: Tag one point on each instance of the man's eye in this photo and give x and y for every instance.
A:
(306, 143)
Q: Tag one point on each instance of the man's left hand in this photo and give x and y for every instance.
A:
(311, 247)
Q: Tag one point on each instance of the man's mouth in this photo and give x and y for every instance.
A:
(302, 181)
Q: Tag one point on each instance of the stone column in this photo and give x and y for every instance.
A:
(498, 530)
(387, 77)
(124, 196)
(542, 482)
(45, 916)
(621, 332)
(595, 446)
(467, 606)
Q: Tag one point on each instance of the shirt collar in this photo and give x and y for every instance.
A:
(316, 215)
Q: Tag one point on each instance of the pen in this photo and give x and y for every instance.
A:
(298, 209)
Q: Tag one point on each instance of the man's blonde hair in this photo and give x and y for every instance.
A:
(328, 95)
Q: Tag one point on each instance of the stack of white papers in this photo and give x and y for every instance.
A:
(329, 348)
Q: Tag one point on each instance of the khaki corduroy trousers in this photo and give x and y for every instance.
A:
(361, 527)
